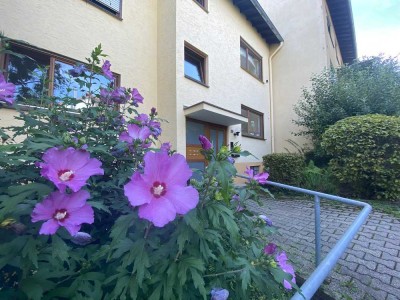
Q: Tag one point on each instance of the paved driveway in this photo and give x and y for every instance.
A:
(370, 267)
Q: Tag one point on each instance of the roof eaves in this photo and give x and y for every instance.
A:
(259, 19)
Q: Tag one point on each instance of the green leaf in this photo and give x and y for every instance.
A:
(30, 251)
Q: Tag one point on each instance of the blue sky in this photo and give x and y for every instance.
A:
(377, 24)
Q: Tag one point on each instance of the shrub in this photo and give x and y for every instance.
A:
(284, 168)
(368, 86)
(366, 154)
(89, 211)
(319, 179)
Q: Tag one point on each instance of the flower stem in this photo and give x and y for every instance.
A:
(224, 273)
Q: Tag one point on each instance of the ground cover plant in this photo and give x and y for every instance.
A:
(93, 206)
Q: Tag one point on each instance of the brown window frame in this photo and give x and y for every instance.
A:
(254, 53)
(201, 59)
(51, 56)
(107, 9)
(261, 115)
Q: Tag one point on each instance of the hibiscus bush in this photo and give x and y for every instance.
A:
(94, 206)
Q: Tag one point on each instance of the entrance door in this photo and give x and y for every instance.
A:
(215, 133)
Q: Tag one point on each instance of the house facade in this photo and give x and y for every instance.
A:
(220, 68)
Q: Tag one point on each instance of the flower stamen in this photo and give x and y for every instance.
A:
(60, 215)
(158, 189)
(66, 175)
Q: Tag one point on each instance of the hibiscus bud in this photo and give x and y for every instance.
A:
(82, 238)
(219, 294)
(236, 149)
(270, 249)
(231, 160)
(205, 143)
(266, 220)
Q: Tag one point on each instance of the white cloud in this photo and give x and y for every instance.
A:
(380, 40)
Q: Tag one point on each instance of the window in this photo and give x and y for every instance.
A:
(250, 60)
(255, 126)
(202, 3)
(256, 169)
(113, 7)
(38, 72)
(195, 65)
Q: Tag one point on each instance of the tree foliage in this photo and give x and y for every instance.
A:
(368, 86)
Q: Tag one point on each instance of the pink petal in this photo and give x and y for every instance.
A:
(43, 210)
(159, 212)
(183, 198)
(287, 285)
(79, 216)
(124, 137)
(49, 227)
(72, 229)
(74, 201)
(133, 131)
(137, 190)
(144, 133)
(177, 170)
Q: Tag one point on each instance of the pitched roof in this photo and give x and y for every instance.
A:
(256, 15)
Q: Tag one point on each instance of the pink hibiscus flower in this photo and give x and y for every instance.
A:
(7, 90)
(162, 191)
(260, 178)
(69, 167)
(106, 70)
(67, 210)
(287, 268)
(135, 132)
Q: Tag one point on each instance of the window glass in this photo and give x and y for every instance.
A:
(193, 69)
(254, 127)
(193, 130)
(221, 139)
(194, 65)
(250, 60)
(243, 57)
(28, 75)
(65, 86)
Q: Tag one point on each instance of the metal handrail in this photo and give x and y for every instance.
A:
(324, 267)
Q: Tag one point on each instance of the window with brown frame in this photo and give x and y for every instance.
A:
(250, 60)
(113, 7)
(255, 126)
(195, 65)
(36, 72)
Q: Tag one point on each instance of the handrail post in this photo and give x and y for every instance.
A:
(317, 209)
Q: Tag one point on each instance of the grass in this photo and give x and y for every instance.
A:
(388, 207)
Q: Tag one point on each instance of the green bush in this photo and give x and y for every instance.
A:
(367, 86)
(284, 168)
(366, 155)
(319, 179)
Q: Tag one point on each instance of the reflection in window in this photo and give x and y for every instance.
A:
(28, 74)
(250, 60)
(64, 86)
(195, 66)
(31, 70)
(255, 125)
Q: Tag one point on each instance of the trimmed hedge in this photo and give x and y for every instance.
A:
(366, 151)
(285, 168)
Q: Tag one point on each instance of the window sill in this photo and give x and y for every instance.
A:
(199, 82)
(253, 137)
(260, 80)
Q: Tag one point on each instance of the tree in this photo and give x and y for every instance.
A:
(368, 86)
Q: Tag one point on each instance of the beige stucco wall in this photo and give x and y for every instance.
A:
(217, 33)
(73, 28)
(302, 24)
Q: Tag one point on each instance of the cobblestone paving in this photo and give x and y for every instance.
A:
(370, 267)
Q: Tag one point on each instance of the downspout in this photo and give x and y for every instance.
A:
(271, 98)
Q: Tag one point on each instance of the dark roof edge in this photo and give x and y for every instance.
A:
(346, 37)
(259, 19)
(267, 20)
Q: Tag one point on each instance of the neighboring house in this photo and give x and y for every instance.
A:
(317, 34)
(207, 65)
